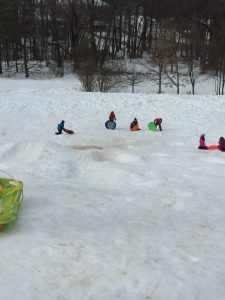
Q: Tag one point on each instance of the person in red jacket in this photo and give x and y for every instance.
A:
(158, 122)
(112, 116)
(202, 144)
(221, 146)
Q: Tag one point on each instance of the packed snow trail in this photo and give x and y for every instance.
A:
(112, 214)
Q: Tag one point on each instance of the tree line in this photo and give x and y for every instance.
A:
(94, 35)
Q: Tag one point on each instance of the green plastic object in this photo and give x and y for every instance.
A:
(152, 126)
(11, 195)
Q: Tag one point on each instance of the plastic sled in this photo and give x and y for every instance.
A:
(110, 125)
(135, 128)
(69, 131)
(212, 147)
(152, 126)
(11, 195)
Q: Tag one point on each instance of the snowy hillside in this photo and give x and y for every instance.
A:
(112, 214)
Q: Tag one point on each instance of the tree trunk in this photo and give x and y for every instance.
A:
(0, 59)
(178, 78)
(7, 54)
(160, 78)
(25, 58)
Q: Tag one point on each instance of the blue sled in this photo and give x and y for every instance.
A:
(110, 125)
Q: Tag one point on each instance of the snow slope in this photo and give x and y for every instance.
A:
(112, 214)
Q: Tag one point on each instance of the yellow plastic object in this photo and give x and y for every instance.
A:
(11, 195)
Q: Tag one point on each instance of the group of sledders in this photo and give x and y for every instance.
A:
(110, 124)
(220, 146)
(134, 126)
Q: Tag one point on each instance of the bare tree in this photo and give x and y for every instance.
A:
(133, 78)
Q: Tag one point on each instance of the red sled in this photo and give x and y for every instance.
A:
(69, 131)
(212, 147)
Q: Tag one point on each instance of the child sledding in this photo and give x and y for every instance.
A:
(61, 128)
(202, 144)
(220, 146)
(111, 124)
(134, 125)
(152, 126)
(158, 122)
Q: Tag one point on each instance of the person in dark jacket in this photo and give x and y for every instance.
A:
(202, 144)
(221, 146)
(134, 125)
(158, 122)
(60, 127)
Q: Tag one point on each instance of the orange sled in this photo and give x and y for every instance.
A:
(135, 128)
(212, 147)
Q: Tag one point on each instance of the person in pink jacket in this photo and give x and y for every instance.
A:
(202, 144)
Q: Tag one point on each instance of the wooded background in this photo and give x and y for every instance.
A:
(93, 36)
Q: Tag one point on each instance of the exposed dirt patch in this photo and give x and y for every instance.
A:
(77, 147)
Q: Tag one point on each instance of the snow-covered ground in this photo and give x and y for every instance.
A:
(112, 214)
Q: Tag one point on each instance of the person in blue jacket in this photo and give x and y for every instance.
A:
(60, 127)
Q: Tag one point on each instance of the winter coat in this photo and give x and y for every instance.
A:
(61, 126)
(112, 116)
(202, 141)
(221, 146)
(158, 121)
(134, 126)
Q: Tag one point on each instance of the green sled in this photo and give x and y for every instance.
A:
(152, 126)
(11, 195)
